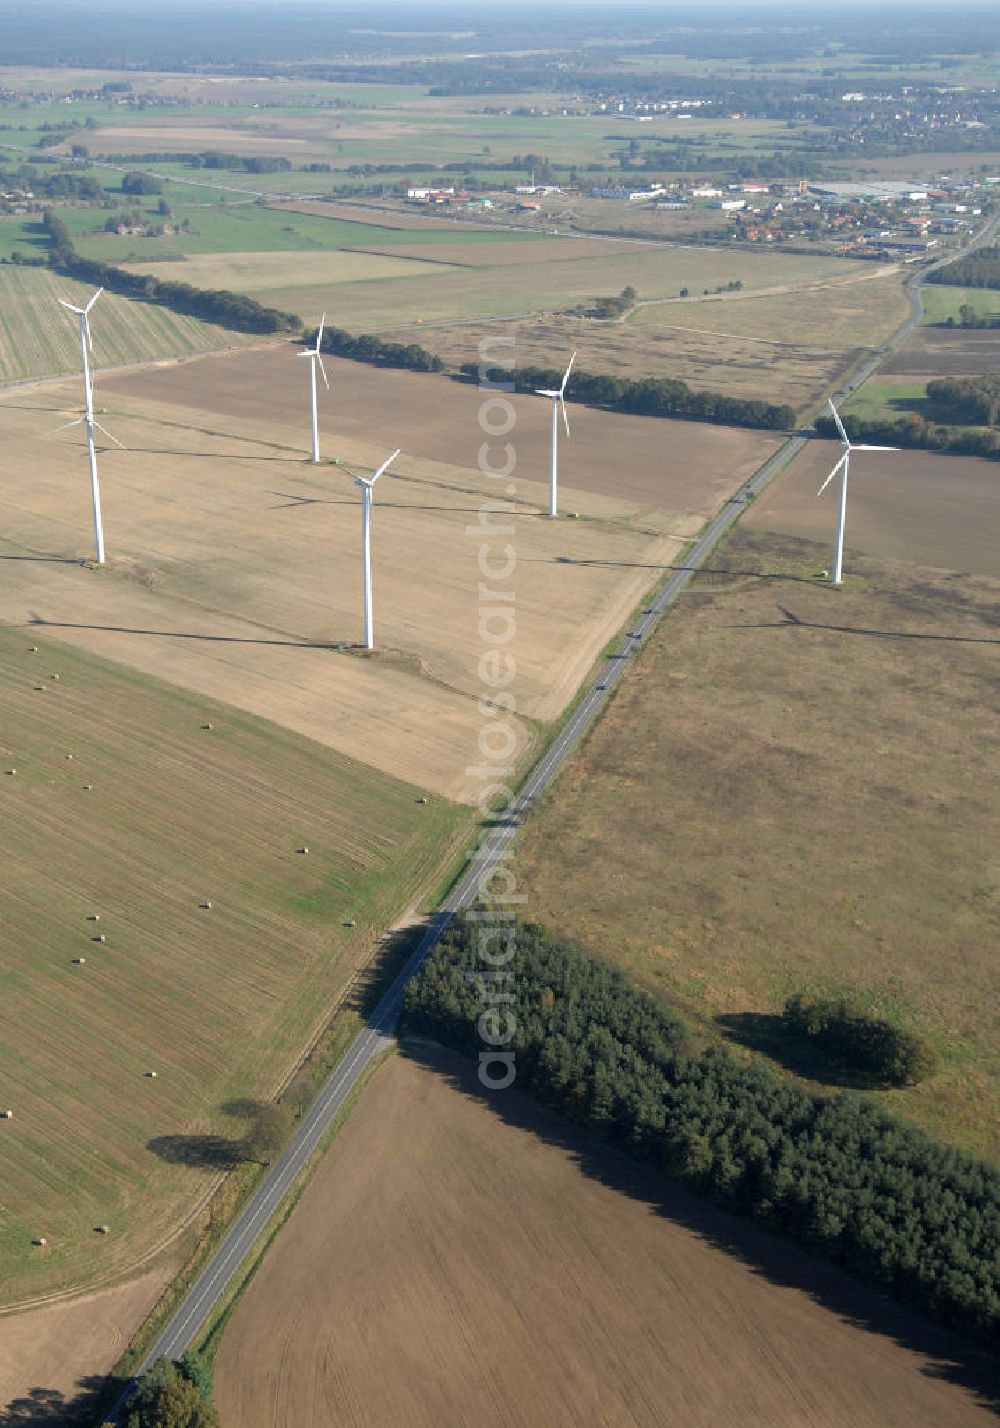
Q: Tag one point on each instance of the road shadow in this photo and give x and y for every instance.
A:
(791, 621)
(781, 1262)
(54, 1409)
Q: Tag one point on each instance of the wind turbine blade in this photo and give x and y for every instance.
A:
(63, 303)
(875, 448)
(566, 377)
(323, 371)
(832, 474)
(562, 403)
(544, 392)
(121, 445)
(385, 465)
(319, 334)
(93, 300)
(840, 425)
(77, 421)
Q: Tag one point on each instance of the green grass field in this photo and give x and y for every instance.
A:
(37, 338)
(941, 302)
(887, 398)
(150, 817)
(793, 791)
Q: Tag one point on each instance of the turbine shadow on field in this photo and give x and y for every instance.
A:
(779, 1261)
(51, 559)
(290, 501)
(188, 635)
(50, 1406)
(791, 621)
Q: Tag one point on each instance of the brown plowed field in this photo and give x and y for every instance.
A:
(455, 1263)
(684, 468)
(908, 505)
(944, 352)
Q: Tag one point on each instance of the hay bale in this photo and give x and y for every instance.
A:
(102, 1229)
(88, 786)
(351, 922)
(6, 1115)
(206, 905)
(40, 1240)
(11, 773)
(53, 676)
(206, 726)
(151, 1075)
(80, 961)
(302, 850)
(93, 917)
(422, 800)
(69, 756)
(100, 937)
(32, 649)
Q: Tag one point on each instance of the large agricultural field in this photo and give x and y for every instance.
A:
(234, 562)
(125, 814)
(794, 792)
(37, 337)
(460, 1261)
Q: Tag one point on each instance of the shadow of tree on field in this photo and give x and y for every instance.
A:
(778, 1260)
(199, 1152)
(766, 1032)
(53, 1409)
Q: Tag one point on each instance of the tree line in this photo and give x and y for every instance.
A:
(916, 432)
(647, 396)
(235, 310)
(366, 348)
(174, 1393)
(836, 1173)
(979, 269)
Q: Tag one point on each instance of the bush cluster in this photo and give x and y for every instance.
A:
(850, 1037)
(837, 1173)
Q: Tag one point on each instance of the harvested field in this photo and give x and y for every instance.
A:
(908, 505)
(682, 469)
(841, 316)
(363, 213)
(38, 338)
(796, 790)
(234, 562)
(486, 254)
(515, 288)
(191, 136)
(126, 806)
(50, 1356)
(945, 352)
(257, 272)
(738, 366)
(461, 1261)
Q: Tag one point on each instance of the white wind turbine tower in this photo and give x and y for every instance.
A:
(316, 360)
(366, 484)
(558, 399)
(843, 466)
(88, 418)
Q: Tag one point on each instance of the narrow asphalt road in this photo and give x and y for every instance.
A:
(377, 1035)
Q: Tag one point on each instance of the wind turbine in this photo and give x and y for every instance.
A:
(366, 484)
(558, 399)
(315, 359)
(843, 466)
(88, 418)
